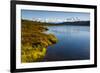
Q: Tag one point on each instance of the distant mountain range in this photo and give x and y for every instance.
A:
(81, 23)
(75, 23)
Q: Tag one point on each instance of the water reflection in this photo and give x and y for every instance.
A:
(73, 43)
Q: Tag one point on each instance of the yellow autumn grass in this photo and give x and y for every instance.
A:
(34, 41)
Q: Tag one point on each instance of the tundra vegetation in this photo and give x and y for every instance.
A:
(34, 41)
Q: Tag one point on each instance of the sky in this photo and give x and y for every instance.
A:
(54, 16)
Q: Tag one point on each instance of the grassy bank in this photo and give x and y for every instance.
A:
(34, 41)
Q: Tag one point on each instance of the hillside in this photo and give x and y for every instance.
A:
(80, 23)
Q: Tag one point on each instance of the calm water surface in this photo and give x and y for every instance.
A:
(73, 43)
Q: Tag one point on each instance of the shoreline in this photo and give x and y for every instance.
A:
(34, 41)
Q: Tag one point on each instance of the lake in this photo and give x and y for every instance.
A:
(73, 43)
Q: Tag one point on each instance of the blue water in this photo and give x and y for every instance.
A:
(73, 43)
